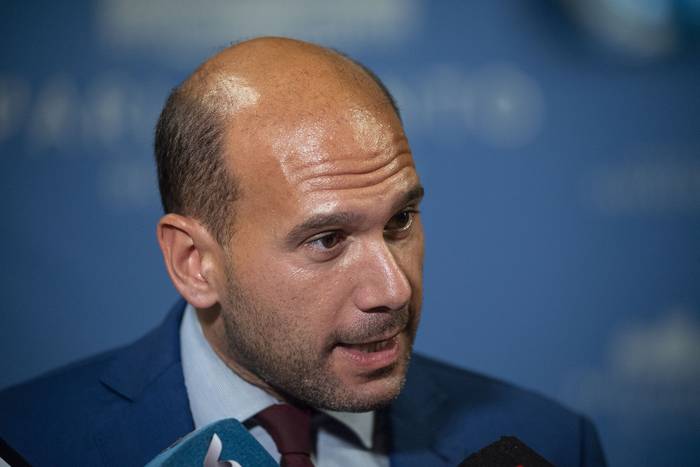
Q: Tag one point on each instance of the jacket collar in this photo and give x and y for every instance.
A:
(152, 410)
(143, 362)
(418, 421)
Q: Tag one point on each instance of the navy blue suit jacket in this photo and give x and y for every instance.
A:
(121, 408)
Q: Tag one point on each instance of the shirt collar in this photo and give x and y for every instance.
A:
(361, 423)
(215, 392)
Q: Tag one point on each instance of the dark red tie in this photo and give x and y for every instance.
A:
(290, 428)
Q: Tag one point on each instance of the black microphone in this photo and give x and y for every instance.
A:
(9, 456)
(508, 451)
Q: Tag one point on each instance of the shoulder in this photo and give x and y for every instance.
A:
(476, 410)
(471, 389)
(58, 406)
(71, 385)
(79, 412)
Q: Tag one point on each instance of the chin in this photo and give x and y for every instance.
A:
(374, 394)
(341, 388)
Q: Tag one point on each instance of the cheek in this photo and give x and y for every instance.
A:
(318, 295)
(297, 296)
(410, 257)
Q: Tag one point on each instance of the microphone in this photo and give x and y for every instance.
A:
(508, 451)
(9, 456)
(225, 443)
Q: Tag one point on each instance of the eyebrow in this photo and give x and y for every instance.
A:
(322, 221)
(412, 196)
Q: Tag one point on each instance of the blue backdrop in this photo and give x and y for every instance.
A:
(559, 144)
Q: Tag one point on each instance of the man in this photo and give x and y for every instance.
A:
(292, 232)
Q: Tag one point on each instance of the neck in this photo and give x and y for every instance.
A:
(212, 327)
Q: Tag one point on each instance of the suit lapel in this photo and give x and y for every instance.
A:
(149, 409)
(417, 424)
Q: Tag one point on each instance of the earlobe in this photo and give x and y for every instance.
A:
(189, 252)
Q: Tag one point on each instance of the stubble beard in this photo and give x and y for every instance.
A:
(275, 352)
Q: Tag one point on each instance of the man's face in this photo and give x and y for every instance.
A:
(323, 270)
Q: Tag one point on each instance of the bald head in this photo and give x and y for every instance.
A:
(264, 82)
(278, 73)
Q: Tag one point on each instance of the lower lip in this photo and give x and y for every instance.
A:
(372, 360)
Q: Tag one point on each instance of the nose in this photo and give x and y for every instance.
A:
(382, 283)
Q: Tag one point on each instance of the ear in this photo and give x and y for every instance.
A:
(192, 258)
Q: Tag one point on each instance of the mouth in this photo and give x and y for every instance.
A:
(371, 347)
(369, 356)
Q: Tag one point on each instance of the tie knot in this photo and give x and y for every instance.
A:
(289, 427)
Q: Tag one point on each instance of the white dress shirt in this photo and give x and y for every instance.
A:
(215, 392)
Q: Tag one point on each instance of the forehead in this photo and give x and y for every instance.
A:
(315, 161)
(346, 152)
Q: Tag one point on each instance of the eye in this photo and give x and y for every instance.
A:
(326, 241)
(401, 221)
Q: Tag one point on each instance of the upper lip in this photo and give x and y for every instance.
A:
(383, 337)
